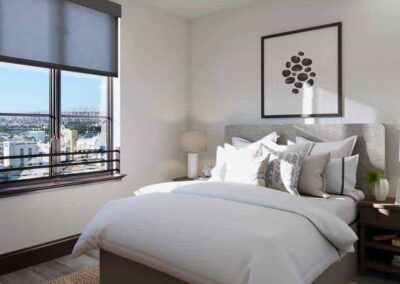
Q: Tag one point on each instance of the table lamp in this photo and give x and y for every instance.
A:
(193, 142)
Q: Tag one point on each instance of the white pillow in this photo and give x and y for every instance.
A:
(241, 142)
(339, 149)
(245, 166)
(341, 175)
(218, 172)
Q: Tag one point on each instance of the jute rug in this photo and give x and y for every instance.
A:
(87, 275)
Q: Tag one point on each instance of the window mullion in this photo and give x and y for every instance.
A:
(56, 119)
(52, 122)
(110, 113)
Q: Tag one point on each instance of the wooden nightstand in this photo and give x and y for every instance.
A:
(377, 219)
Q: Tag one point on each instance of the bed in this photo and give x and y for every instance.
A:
(219, 233)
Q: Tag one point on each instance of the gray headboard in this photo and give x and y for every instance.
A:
(371, 142)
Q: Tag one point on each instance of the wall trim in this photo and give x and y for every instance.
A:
(19, 259)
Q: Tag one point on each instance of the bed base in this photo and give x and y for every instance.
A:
(115, 269)
(118, 270)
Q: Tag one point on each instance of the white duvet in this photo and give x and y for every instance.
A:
(221, 233)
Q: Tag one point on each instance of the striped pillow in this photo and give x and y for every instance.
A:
(341, 175)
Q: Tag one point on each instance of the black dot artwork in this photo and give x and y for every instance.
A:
(302, 77)
(290, 80)
(306, 62)
(286, 73)
(295, 59)
(298, 72)
(298, 85)
(297, 67)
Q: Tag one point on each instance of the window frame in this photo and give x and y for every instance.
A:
(54, 180)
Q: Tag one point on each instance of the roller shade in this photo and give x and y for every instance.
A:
(74, 35)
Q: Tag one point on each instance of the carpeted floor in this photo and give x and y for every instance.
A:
(54, 269)
(87, 275)
(90, 275)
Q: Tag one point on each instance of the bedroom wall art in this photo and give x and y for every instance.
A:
(301, 73)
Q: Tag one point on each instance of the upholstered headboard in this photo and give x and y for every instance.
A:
(371, 142)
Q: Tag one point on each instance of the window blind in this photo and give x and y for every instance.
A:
(74, 35)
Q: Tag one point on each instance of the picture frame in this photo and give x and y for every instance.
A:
(301, 73)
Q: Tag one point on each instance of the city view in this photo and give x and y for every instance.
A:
(24, 92)
(30, 136)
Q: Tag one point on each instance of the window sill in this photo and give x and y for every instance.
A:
(32, 186)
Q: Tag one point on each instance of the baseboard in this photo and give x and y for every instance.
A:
(26, 257)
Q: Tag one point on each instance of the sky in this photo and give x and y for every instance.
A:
(25, 89)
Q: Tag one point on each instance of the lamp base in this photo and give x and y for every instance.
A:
(192, 166)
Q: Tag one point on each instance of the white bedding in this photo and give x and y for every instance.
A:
(342, 206)
(221, 233)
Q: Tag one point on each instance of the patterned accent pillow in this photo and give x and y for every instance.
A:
(283, 170)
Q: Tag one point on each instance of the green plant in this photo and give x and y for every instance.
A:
(373, 176)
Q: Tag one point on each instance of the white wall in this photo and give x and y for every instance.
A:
(154, 110)
(225, 64)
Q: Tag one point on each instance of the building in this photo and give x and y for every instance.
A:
(69, 139)
(38, 135)
(3, 137)
(1, 147)
(17, 148)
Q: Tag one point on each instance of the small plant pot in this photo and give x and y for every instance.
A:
(381, 190)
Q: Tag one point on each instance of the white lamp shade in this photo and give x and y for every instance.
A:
(194, 141)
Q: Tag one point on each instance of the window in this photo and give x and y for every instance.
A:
(24, 119)
(84, 121)
(54, 124)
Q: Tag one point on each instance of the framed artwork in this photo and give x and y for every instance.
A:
(301, 73)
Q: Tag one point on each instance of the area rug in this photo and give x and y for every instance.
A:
(87, 275)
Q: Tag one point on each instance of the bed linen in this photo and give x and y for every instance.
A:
(342, 206)
(205, 232)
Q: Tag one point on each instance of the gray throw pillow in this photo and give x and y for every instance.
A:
(311, 180)
(283, 170)
(339, 149)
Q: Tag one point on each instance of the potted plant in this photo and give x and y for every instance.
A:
(381, 186)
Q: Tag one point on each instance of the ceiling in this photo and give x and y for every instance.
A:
(191, 9)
